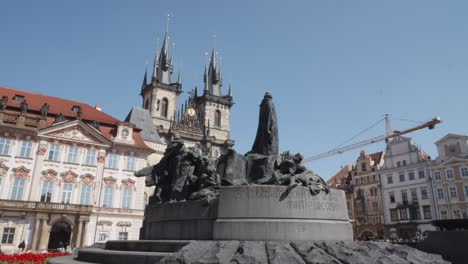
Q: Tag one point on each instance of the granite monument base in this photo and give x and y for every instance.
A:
(254, 212)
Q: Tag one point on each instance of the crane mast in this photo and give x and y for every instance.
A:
(389, 135)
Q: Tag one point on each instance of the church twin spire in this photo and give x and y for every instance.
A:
(163, 68)
(212, 76)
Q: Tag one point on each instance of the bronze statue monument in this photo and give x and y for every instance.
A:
(266, 141)
(185, 173)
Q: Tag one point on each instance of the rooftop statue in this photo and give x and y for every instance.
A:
(185, 173)
(3, 103)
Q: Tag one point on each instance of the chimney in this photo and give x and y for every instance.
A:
(98, 107)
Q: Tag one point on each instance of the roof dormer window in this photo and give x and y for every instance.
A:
(76, 108)
(18, 98)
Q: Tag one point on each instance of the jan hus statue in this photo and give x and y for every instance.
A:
(266, 141)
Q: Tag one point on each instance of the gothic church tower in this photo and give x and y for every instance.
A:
(203, 120)
(160, 96)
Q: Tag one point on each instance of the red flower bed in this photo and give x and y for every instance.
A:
(29, 258)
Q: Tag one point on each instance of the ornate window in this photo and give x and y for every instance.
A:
(123, 235)
(437, 175)
(456, 214)
(85, 197)
(443, 214)
(389, 179)
(164, 107)
(411, 176)
(46, 193)
(414, 195)
(453, 191)
(427, 212)
(217, 118)
(404, 196)
(440, 193)
(130, 165)
(449, 174)
(90, 157)
(403, 214)
(8, 235)
(421, 174)
(127, 198)
(393, 214)
(5, 146)
(26, 147)
(363, 166)
(67, 193)
(73, 154)
(464, 172)
(402, 177)
(415, 214)
(54, 152)
(112, 159)
(452, 148)
(392, 197)
(108, 196)
(18, 188)
(424, 195)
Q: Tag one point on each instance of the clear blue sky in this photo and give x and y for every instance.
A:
(334, 67)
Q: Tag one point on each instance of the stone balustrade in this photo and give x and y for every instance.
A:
(46, 207)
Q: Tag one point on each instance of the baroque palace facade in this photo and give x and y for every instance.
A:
(66, 173)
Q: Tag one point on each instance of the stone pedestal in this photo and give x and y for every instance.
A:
(256, 212)
(268, 213)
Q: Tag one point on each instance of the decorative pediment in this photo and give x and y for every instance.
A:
(21, 172)
(453, 160)
(74, 134)
(87, 178)
(109, 181)
(50, 175)
(75, 131)
(69, 176)
(3, 169)
(128, 183)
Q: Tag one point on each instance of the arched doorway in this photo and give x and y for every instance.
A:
(60, 234)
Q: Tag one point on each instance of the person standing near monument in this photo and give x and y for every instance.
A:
(266, 141)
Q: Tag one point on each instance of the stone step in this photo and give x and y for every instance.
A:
(92, 255)
(147, 245)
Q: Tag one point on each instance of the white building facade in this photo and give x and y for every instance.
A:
(407, 198)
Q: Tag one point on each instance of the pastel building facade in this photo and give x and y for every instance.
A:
(66, 173)
(368, 211)
(449, 175)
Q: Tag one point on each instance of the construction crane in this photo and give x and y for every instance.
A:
(389, 135)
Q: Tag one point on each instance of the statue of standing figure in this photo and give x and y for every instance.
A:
(266, 141)
(3, 103)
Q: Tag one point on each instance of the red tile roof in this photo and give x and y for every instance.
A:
(108, 124)
(56, 105)
(376, 157)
